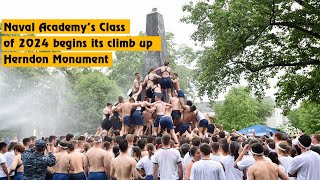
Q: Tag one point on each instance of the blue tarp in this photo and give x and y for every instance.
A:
(260, 130)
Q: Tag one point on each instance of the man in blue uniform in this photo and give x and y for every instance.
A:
(35, 161)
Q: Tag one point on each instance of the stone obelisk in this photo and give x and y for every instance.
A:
(155, 27)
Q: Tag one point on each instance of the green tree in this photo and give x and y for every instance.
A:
(306, 117)
(240, 110)
(93, 91)
(256, 40)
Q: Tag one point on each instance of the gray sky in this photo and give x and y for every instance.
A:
(135, 10)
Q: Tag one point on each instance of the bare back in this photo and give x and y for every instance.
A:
(160, 108)
(176, 84)
(175, 103)
(188, 116)
(123, 166)
(96, 159)
(126, 109)
(63, 162)
(263, 170)
(79, 161)
(165, 71)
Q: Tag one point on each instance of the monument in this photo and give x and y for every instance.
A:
(155, 27)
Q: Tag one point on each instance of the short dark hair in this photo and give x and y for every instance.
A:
(136, 73)
(166, 139)
(11, 146)
(215, 146)
(25, 141)
(175, 74)
(33, 138)
(196, 141)
(51, 138)
(257, 148)
(142, 143)
(222, 134)
(272, 145)
(81, 138)
(206, 140)
(193, 108)
(205, 149)
(2, 145)
(120, 98)
(109, 104)
(123, 145)
(193, 151)
(184, 149)
(69, 137)
(150, 139)
(305, 140)
(106, 145)
(189, 103)
(71, 147)
(225, 147)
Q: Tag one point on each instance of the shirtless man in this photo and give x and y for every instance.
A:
(158, 107)
(166, 123)
(80, 162)
(136, 86)
(126, 109)
(123, 165)
(148, 81)
(188, 117)
(176, 85)
(201, 123)
(97, 161)
(106, 114)
(63, 162)
(120, 113)
(262, 169)
(176, 108)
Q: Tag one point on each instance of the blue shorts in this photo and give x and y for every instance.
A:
(184, 127)
(18, 176)
(211, 128)
(180, 93)
(156, 123)
(60, 176)
(148, 177)
(97, 176)
(166, 122)
(166, 83)
(137, 118)
(4, 178)
(127, 120)
(78, 176)
(204, 123)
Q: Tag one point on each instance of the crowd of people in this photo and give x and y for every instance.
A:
(161, 136)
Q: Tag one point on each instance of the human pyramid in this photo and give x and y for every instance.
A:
(156, 113)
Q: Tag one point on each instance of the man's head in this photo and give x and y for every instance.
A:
(278, 136)
(40, 146)
(196, 141)
(63, 145)
(97, 140)
(109, 105)
(11, 146)
(193, 108)
(3, 147)
(26, 142)
(69, 137)
(304, 142)
(175, 76)
(166, 139)
(166, 63)
(131, 100)
(205, 149)
(53, 140)
(120, 99)
(215, 147)
(130, 138)
(158, 97)
(33, 139)
(137, 75)
(316, 139)
(189, 103)
(123, 145)
(257, 149)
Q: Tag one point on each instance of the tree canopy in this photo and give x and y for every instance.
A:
(240, 110)
(306, 117)
(258, 40)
